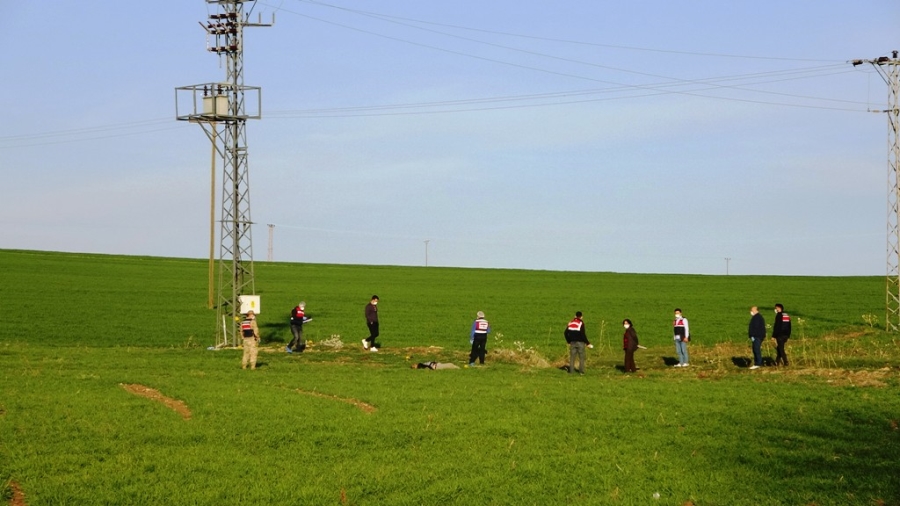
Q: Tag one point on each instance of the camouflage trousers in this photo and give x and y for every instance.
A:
(250, 350)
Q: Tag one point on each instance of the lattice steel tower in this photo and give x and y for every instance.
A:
(889, 69)
(221, 108)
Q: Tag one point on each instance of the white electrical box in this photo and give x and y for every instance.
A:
(249, 303)
(216, 105)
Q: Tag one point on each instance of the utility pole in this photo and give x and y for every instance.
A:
(220, 108)
(727, 261)
(271, 241)
(889, 70)
(426, 251)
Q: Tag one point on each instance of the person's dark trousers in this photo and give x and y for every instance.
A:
(780, 355)
(478, 349)
(629, 361)
(297, 343)
(757, 351)
(373, 333)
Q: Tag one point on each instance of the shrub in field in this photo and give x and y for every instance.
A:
(519, 353)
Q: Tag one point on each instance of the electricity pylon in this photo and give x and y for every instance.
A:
(889, 70)
(221, 109)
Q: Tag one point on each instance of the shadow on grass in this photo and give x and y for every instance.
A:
(275, 333)
(745, 362)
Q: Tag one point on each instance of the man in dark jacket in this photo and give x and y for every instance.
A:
(781, 332)
(577, 339)
(756, 332)
(372, 322)
(298, 318)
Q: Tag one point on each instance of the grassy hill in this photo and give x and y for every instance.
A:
(85, 333)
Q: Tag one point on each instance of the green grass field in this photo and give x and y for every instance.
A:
(344, 426)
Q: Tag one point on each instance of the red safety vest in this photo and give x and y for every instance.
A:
(247, 328)
(575, 325)
(679, 326)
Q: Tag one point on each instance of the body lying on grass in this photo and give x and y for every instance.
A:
(434, 365)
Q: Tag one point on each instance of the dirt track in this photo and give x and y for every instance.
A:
(178, 406)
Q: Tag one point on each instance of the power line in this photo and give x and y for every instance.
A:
(696, 87)
(551, 39)
(547, 71)
(392, 19)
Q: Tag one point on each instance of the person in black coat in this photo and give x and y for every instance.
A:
(756, 332)
(629, 344)
(781, 332)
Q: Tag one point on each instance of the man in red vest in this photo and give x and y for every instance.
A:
(298, 318)
(682, 334)
(250, 333)
(781, 332)
(577, 339)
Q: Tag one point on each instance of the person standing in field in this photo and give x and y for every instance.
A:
(629, 344)
(756, 331)
(298, 318)
(781, 332)
(250, 333)
(372, 322)
(682, 335)
(577, 339)
(478, 338)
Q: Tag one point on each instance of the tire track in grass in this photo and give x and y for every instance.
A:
(176, 405)
(364, 406)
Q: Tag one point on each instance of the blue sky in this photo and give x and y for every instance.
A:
(646, 136)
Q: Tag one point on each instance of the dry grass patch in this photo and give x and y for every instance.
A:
(178, 406)
(528, 357)
(843, 377)
(720, 360)
(422, 350)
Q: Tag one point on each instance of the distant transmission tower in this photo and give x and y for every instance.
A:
(889, 69)
(221, 109)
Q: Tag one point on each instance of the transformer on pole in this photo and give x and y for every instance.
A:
(889, 69)
(221, 109)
